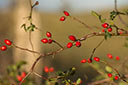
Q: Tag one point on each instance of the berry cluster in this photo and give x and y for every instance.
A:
(115, 77)
(20, 77)
(97, 59)
(45, 40)
(63, 17)
(4, 47)
(106, 27)
(73, 38)
(46, 69)
(111, 57)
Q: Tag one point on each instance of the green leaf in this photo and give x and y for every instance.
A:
(113, 15)
(103, 20)
(78, 81)
(108, 69)
(95, 14)
(24, 26)
(107, 34)
(60, 73)
(19, 64)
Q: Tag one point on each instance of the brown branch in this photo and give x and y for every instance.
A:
(40, 76)
(104, 62)
(101, 82)
(25, 49)
(74, 18)
(120, 18)
(61, 49)
(96, 48)
(57, 43)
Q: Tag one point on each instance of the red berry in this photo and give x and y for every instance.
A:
(83, 61)
(44, 40)
(117, 58)
(116, 77)
(89, 60)
(71, 37)
(109, 75)
(51, 69)
(23, 74)
(50, 41)
(66, 13)
(19, 78)
(109, 56)
(46, 69)
(121, 32)
(78, 44)
(103, 30)
(3, 48)
(49, 34)
(97, 59)
(69, 45)
(109, 29)
(105, 25)
(62, 18)
(37, 3)
(7, 42)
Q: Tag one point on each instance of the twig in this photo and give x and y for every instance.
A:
(101, 82)
(25, 49)
(120, 18)
(74, 18)
(58, 43)
(40, 76)
(96, 48)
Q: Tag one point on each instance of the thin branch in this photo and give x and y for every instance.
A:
(74, 18)
(114, 70)
(40, 76)
(28, 74)
(58, 43)
(30, 40)
(120, 18)
(101, 82)
(25, 49)
(96, 48)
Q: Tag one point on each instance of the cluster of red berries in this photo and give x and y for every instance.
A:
(20, 77)
(4, 47)
(46, 69)
(97, 59)
(73, 38)
(63, 17)
(111, 57)
(45, 40)
(106, 27)
(115, 77)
